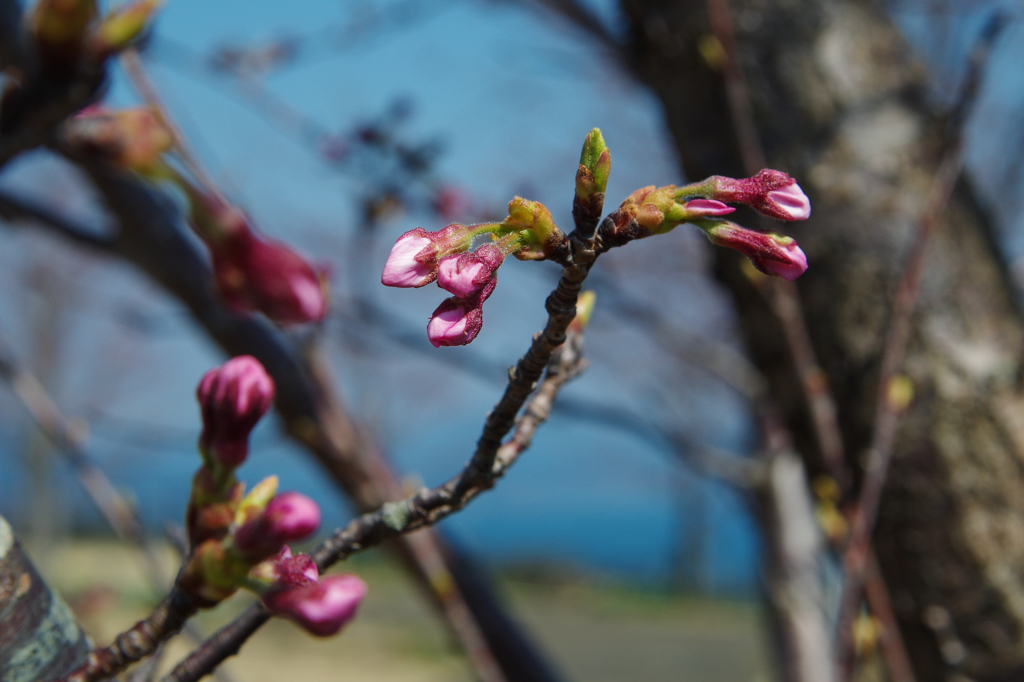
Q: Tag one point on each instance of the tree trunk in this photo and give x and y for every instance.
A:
(838, 103)
(39, 638)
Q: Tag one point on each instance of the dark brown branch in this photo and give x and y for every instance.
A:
(425, 508)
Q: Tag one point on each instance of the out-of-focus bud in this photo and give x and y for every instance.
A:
(584, 308)
(123, 26)
(288, 517)
(450, 203)
(210, 576)
(134, 139)
(232, 398)
(455, 322)
(770, 253)
(468, 274)
(256, 500)
(257, 274)
(285, 570)
(59, 29)
(770, 192)
(539, 234)
(413, 260)
(212, 504)
(321, 608)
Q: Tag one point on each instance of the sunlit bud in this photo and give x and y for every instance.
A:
(456, 322)
(413, 260)
(124, 25)
(770, 192)
(770, 253)
(540, 236)
(134, 139)
(59, 28)
(321, 608)
(654, 209)
(257, 274)
(595, 165)
(469, 273)
(233, 398)
(288, 517)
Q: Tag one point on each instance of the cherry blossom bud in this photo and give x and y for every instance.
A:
(470, 273)
(413, 260)
(320, 608)
(539, 234)
(256, 274)
(233, 398)
(285, 570)
(456, 322)
(595, 165)
(770, 192)
(288, 517)
(770, 253)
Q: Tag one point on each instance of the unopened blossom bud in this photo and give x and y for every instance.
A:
(133, 139)
(288, 517)
(584, 309)
(595, 165)
(539, 234)
(257, 274)
(321, 608)
(770, 253)
(455, 322)
(233, 398)
(770, 192)
(413, 260)
(467, 274)
(123, 26)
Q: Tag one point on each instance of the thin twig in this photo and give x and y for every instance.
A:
(425, 508)
(14, 209)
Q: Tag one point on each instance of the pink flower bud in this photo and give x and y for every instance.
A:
(770, 253)
(320, 608)
(456, 322)
(770, 192)
(232, 398)
(707, 208)
(470, 273)
(259, 274)
(412, 262)
(414, 257)
(288, 517)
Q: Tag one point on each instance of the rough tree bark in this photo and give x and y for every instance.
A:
(39, 637)
(838, 103)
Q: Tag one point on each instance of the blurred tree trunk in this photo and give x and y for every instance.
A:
(839, 104)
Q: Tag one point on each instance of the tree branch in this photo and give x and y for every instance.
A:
(423, 509)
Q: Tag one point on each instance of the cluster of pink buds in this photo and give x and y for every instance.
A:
(241, 540)
(419, 258)
(772, 193)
